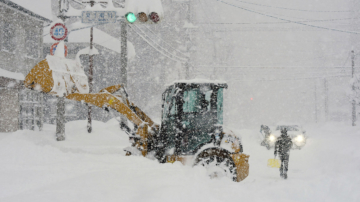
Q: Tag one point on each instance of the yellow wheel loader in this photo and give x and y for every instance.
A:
(191, 126)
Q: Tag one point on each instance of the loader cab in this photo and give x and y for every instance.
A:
(191, 114)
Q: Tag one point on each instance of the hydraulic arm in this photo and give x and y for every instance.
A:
(42, 77)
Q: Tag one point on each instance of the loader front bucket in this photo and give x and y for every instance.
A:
(242, 165)
(57, 76)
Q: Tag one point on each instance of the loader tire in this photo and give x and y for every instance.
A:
(218, 163)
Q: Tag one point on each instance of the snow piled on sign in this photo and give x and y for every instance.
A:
(93, 167)
(68, 75)
(11, 75)
(100, 38)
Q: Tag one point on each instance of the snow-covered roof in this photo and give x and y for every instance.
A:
(100, 38)
(12, 75)
(197, 80)
(283, 123)
(40, 7)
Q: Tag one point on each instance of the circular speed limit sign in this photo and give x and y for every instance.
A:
(58, 32)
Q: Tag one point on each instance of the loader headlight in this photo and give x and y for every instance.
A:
(272, 138)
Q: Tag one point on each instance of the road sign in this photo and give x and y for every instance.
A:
(58, 32)
(98, 16)
(53, 49)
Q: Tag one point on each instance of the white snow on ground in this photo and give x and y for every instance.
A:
(92, 167)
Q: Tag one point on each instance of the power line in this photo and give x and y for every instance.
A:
(270, 66)
(283, 19)
(251, 23)
(161, 52)
(176, 50)
(316, 11)
(290, 79)
(184, 59)
(346, 59)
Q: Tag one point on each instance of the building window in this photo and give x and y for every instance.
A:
(8, 37)
(32, 43)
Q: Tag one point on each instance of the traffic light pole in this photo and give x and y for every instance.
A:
(123, 62)
(123, 54)
(91, 63)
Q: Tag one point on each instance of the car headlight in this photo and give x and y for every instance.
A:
(300, 138)
(272, 138)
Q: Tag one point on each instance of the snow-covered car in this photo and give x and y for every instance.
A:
(295, 131)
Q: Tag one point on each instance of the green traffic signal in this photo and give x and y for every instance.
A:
(130, 17)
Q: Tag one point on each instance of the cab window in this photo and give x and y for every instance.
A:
(220, 98)
(167, 102)
(196, 101)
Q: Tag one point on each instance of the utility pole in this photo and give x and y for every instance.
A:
(60, 119)
(353, 89)
(123, 54)
(90, 76)
(316, 108)
(187, 63)
(326, 92)
(123, 62)
(60, 107)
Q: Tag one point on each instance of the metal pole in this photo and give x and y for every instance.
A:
(123, 62)
(41, 112)
(33, 110)
(187, 71)
(60, 119)
(316, 110)
(353, 88)
(123, 54)
(188, 46)
(326, 91)
(91, 61)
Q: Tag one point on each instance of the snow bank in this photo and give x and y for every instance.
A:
(11, 75)
(93, 167)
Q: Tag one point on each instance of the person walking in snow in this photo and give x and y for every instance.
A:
(265, 130)
(282, 147)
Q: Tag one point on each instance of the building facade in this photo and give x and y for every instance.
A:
(20, 49)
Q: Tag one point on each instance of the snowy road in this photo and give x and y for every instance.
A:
(92, 167)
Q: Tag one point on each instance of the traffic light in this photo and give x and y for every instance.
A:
(130, 17)
(154, 17)
(142, 17)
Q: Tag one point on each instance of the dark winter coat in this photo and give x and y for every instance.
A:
(266, 130)
(283, 145)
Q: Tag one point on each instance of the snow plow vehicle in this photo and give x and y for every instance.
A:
(192, 116)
